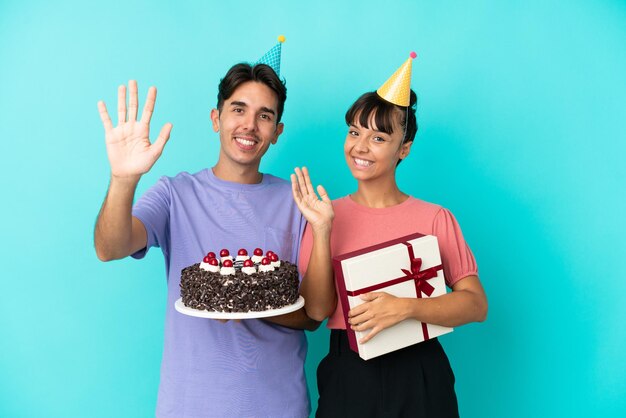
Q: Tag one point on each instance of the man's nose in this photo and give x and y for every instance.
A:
(250, 122)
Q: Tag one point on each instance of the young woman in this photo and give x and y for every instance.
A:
(416, 381)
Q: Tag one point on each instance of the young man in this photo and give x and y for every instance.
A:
(209, 368)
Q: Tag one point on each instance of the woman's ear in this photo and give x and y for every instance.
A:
(405, 149)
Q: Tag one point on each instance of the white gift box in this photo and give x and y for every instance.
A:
(407, 267)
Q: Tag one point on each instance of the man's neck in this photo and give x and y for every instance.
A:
(243, 175)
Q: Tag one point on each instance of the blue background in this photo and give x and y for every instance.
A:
(521, 112)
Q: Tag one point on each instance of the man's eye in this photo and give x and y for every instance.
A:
(238, 110)
(266, 117)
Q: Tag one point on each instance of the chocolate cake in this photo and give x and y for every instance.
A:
(240, 285)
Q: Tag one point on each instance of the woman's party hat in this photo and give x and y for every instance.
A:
(397, 89)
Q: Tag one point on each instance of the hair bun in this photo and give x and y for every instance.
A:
(413, 100)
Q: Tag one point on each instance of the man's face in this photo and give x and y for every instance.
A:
(247, 126)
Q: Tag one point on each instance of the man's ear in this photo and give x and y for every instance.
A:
(405, 150)
(279, 130)
(215, 118)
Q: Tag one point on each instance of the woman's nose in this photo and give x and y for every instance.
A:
(361, 145)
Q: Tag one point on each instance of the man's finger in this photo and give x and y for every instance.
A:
(162, 139)
(148, 108)
(121, 104)
(104, 116)
(133, 101)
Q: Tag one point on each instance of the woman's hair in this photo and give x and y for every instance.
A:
(242, 73)
(383, 112)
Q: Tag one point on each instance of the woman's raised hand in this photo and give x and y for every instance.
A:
(130, 151)
(318, 211)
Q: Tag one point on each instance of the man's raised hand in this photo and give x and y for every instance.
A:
(130, 151)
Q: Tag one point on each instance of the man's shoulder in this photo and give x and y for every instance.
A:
(184, 178)
(276, 183)
(271, 179)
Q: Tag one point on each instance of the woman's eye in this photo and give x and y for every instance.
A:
(378, 139)
(353, 133)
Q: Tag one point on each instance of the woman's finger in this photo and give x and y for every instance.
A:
(370, 335)
(301, 182)
(363, 324)
(295, 189)
(307, 181)
(357, 310)
(323, 194)
(359, 319)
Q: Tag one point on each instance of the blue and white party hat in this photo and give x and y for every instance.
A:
(272, 57)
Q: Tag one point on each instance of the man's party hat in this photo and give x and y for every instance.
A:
(397, 89)
(272, 57)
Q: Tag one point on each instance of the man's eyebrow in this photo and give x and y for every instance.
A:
(243, 104)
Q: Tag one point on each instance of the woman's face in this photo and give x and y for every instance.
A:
(372, 154)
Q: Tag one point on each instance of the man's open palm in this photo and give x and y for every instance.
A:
(130, 151)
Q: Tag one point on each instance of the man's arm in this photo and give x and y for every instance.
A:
(117, 233)
(295, 320)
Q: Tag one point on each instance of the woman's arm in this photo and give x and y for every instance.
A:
(317, 287)
(466, 303)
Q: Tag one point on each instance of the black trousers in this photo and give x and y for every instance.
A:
(416, 381)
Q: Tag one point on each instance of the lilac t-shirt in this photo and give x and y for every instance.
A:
(234, 369)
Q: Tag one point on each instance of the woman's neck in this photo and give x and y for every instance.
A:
(378, 195)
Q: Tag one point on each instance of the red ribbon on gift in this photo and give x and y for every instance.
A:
(418, 276)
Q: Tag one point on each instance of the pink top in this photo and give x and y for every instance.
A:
(356, 226)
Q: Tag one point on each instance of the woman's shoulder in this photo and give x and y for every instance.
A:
(424, 205)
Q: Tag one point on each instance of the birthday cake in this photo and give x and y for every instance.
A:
(243, 284)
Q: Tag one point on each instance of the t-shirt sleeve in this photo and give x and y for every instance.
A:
(456, 256)
(306, 246)
(153, 210)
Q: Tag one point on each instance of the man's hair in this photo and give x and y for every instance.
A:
(244, 72)
(371, 105)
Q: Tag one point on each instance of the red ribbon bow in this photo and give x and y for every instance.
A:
(420, 277)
